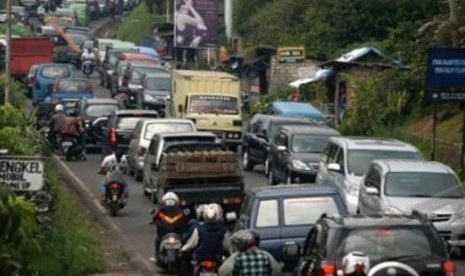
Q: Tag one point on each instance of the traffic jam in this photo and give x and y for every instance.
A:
(198, 189)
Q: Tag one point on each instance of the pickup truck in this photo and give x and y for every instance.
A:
(201, 173)
(28, 51)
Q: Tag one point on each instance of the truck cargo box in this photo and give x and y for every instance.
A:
(27, 51)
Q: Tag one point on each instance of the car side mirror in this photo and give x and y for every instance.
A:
(372, 191)
(335, 167)
(281, 148)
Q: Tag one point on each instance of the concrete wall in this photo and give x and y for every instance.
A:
(281, 74)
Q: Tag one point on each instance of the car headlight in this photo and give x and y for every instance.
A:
(149, 98)
(352, 188)
(299, 164)
(391, 210)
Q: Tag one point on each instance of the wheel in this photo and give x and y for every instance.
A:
(246, 163)
(138, 175)
(271, 179)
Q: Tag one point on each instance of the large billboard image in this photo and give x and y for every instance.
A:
(195, 23)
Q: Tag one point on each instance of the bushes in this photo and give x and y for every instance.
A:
(17, 98)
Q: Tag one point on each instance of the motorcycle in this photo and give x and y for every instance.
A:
(114, 201)
(168, 252)
(206, 268)
(72, 150)
(87, 67)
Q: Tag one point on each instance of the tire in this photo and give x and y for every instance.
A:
(271, 179)
(138, 175)
(246, 163)
(114, 208)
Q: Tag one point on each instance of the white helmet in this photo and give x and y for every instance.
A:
(355, 263)
(59, 108)
(170, 199)
(210, 213)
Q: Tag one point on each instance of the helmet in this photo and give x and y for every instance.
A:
(355, 263)
(59, 108)
(218, 208)
(210, 213)
(244, 239)
(170, 199)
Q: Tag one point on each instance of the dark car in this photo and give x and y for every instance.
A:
(408, 239)
(120, 126)
(282, 214)
(258, 135)
(92, 111)
(116, 78)
(108, 65)
(295, 153)
(155, 92)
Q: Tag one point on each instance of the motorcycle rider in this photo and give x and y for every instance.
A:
(113, 166)
(89, 55)
(169, 218)
(355, 264)
(209, 239)
(249, 260)
(72, 128)
(56, 124)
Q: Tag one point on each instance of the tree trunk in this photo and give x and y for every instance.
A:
(453, 21)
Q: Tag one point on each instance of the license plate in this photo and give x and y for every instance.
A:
(67, 143)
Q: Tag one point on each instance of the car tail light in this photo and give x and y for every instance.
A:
(232, 200)
(142, 151)
(449, 268)
(328, 269)
(112, 136)
(209, 264)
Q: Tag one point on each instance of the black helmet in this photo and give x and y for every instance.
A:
(245, 239)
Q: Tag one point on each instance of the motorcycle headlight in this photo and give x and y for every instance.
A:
(149, 98)
(352, 188)
(299, 164)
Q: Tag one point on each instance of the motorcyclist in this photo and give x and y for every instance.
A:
(239, 263)
(209, 240)
(113, 166)
(56, 124)
(72, 127)
(89, 55)
(355, 264)
(169, 218)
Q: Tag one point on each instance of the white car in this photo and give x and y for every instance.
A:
(401, 186)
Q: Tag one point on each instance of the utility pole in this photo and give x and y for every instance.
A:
(8, 52)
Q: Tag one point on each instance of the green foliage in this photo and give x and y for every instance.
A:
(17, 98)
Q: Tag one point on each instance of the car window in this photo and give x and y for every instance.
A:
(154, 128)
(76, 86)
(275, 125)
(307, 210)
(128, 122)
(139, 72)
(359, 160)
(332, 153)
(280, 139)
(153, 146)
(95, 110)
(304, 143)
(422, 184)
(255, 126)
(55, 72)
(340, 159)
(388, 242)
(373, 178)
(267, 215)
(163, 84)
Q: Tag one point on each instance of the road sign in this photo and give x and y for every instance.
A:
(22, 173)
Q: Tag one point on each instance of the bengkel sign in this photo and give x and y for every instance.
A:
(22, 173)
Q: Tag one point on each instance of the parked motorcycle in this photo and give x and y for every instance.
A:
(71, 149)
(168, 252)
(114, 200)
(88, 68)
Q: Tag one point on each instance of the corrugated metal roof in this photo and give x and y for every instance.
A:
(355, 54)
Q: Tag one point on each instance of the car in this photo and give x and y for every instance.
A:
(109, 61)
(295, 152)
(70, 91)
(345, 160)
(82, 9)
(158, 144)
(45, 75)
(101, 44)
(400, 186)
(147, 51)
(409, 239)
(257, 137)
(282, 214)
(120, 126)
(85, 31)
(155, 92)
(298, 109)
(143, 133)
(93, 112)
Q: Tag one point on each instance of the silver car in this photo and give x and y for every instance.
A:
(401, 186)
(345, 160)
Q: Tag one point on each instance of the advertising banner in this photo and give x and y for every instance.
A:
(22, 173)
(195, 24)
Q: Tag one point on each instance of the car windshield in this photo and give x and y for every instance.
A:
(138, 72)
(213, 104)
(388, 243)
(97, 110)
(359, 160)
(159, 84)
(73, 86)
(55, 72)
(277, 124)
(307, 143)
(307, 210)
(129, 122)
(422, 184)
(155, 128)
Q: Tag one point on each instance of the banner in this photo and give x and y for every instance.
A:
(22, 173)
(195, 24)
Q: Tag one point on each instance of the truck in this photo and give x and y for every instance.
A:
(201, 173)
(211, 100)
(27, 51)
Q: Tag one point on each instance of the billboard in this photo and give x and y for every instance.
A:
(195, 24)
(22, 173)
(446, 74)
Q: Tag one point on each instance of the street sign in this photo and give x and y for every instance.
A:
(446, 74)
(22, 173)
(291, 54)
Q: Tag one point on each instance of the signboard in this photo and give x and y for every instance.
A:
(446, 74)
(306, 72)
(291, 54)
(22, 173)
(195, 24)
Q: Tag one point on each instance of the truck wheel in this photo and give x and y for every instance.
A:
(246, 163)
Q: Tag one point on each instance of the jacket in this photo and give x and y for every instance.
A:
(209, 241)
